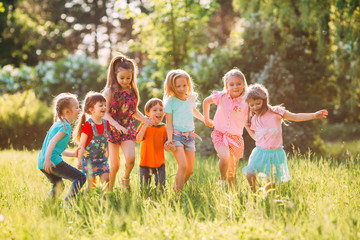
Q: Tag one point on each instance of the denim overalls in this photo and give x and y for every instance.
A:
(94, 161)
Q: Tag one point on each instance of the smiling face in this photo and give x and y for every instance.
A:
(181, 87)
(156, 113)
(255, 105)
(124, 78)
(235, 86)
(99, 109)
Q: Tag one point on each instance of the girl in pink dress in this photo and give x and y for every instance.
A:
(268, 159)
(229, 122)
(122, 98)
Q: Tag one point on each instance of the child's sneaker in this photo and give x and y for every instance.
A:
(222, 184)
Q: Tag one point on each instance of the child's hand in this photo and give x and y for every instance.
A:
(321, 114)
(169, 146)
(47, 166)
(121, 129)
(76, 152)
(79, 164)
(209, 123)
(149, 121)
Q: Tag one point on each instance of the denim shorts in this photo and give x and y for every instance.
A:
(188, 142)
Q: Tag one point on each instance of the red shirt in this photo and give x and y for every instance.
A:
(87, 129)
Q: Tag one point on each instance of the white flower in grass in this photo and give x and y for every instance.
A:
(1, 218)
(262, 175)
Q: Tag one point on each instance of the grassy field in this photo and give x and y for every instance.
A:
(322, 201)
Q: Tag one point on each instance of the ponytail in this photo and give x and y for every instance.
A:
(79, 125)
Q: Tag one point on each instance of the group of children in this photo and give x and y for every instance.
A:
(111, 126)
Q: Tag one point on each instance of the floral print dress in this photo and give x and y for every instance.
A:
(122, 108)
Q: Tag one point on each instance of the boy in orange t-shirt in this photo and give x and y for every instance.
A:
(152, 135)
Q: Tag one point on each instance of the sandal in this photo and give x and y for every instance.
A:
(126, 183)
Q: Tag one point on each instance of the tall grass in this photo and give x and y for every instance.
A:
(322, 201)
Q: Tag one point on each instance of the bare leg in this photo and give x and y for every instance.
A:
(114, 154)
(128, 148)
(91, 183)
(252, 181)
(182, 168)
(224, 159)
(105, 178)
(269, 186)
(190, 159)
(231, 172)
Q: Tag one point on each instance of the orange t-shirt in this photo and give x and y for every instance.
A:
(152, 147)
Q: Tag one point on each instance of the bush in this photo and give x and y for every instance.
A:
(24, 121)
(75, 74)
(340, 132)
(14, 80)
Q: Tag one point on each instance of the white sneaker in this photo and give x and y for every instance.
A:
(222, 184)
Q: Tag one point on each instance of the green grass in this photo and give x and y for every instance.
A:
(322, 201)
(342, 150)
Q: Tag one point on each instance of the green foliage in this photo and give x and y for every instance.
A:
(13, 80)
(30, 35)
(320, 202)
(340, 132)
(24, 121)
(172, 31)
(75, 74)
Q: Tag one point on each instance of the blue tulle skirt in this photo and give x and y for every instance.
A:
(268, 164)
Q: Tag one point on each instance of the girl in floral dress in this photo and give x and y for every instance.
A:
(122, 98)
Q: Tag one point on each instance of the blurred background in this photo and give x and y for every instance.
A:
(307, 53)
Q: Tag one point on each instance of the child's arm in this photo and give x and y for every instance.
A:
(107, 152)
(82, 142)
(206, 109)
(70, 153)
(108, 117)
(139, 116)
(198, 115)
(48, 163)
(141, 133)
(251, 132)
(169, 126)
(300, 117)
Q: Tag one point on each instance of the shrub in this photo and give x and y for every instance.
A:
(24, 120)
(14, 80)
(75, 74)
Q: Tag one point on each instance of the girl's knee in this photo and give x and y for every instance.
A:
(114, 167)
(182, 168)
(130, 161)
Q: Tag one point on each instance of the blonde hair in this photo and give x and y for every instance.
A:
(234, 73)
(151, 103)
(61, 102)
(117, 64)
(169, 86)
(90, 100)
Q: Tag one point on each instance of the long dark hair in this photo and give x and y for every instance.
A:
(90, 100)
(117, 64)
